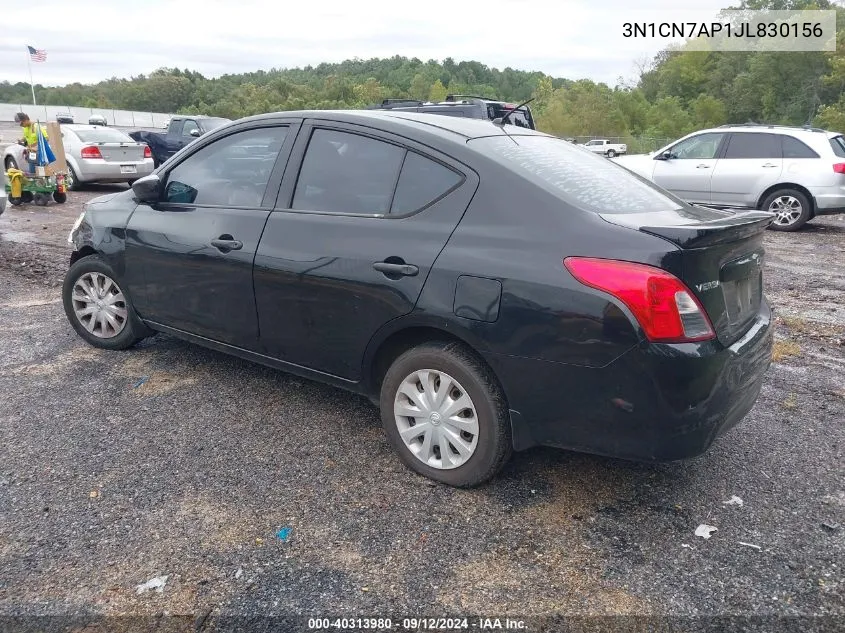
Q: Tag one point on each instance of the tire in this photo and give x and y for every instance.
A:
(792, 207)
(129, 332)
(74, 185)
(15, 201)
(491, 445)
(611, 153)
(61, 198)
(27, 197)
(42, 199)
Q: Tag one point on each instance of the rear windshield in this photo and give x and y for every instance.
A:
(210, 124)
(103, 135)
(837, 143)
(577, 175)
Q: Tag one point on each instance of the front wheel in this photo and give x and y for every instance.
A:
(445, 415)
(97, 307)
(60, 197)
(791, 209)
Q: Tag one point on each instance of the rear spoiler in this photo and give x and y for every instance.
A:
(734, 226)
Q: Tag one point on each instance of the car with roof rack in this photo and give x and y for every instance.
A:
(797, 173)
(469, 106)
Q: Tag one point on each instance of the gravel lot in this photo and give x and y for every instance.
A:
(107, 481)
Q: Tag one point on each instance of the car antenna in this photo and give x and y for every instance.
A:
(503, 120)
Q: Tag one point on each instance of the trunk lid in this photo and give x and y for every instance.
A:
(121, 152)
(721, 254)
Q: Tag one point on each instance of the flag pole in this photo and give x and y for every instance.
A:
(31, 83)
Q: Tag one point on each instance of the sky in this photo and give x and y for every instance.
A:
(90, 40)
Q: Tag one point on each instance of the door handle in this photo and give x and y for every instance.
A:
(702, 166)
(769, 165)
(227, 243)
(400, 270)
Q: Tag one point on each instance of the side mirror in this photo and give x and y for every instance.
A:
(147, 189)
(664, 156)
(194, 132)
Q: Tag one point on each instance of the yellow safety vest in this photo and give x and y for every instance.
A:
(30, 134)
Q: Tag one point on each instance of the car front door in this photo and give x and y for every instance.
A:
(195, 247)
(688, 169)
(753, 161)
(361, 218)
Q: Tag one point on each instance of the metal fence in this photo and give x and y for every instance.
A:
(116, 118)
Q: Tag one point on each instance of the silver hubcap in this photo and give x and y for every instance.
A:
(436, 419)
(787, 210)
(99, 305)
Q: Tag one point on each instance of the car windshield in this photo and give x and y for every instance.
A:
(103, 135)
(578, 176)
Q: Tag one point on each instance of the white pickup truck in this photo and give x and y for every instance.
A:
(603, 146)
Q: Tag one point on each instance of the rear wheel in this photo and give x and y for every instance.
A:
(60, 197)
(445, 414)
(791, 209)
(97, 307)
(72, 180)
(611, 153)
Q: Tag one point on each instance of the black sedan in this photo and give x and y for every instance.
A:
(491, 288)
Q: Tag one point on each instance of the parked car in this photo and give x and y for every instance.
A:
(96, 154)
(463, 106)
(3, 197)
(64, 117)
(797, 173)
(97, 119)
(606, 148)
(181, 130)
(490, 290)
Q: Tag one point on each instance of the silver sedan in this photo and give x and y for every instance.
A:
(96, 154)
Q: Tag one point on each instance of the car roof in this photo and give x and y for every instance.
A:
(454, 127)
(763, 128)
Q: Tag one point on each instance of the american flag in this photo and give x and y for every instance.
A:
(37, 55)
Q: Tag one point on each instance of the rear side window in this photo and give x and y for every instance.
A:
(579, 177)
(744, 145)
(347, 173)
(421, 182)
(343, 172)
(837, 144)
(793, 148)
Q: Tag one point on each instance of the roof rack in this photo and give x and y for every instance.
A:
(456, 97)
(772, 126)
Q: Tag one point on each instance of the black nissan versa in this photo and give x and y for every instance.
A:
(490, 287)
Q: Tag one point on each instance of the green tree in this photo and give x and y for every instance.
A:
(438, 92)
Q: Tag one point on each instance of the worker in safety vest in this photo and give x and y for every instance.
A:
(30, 135)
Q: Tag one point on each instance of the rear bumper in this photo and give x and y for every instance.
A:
(654, 403)
(101, 171)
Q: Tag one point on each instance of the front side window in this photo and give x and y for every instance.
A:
(188, 127)
(699, 147)
(231, 171)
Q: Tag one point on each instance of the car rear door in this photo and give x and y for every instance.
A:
(687, 173)
(361, 217)
(195, 247)
(752, 162)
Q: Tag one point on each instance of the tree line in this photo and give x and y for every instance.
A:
(677, 92)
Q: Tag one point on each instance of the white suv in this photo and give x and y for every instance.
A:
(796, 173)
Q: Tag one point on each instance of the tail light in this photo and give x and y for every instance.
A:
(839, 168)
(90, 152)
(147, 152)
(663, 305)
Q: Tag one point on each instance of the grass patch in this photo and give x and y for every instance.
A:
(796, 323)
(784, 349)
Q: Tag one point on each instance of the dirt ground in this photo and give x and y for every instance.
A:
(171, 460)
